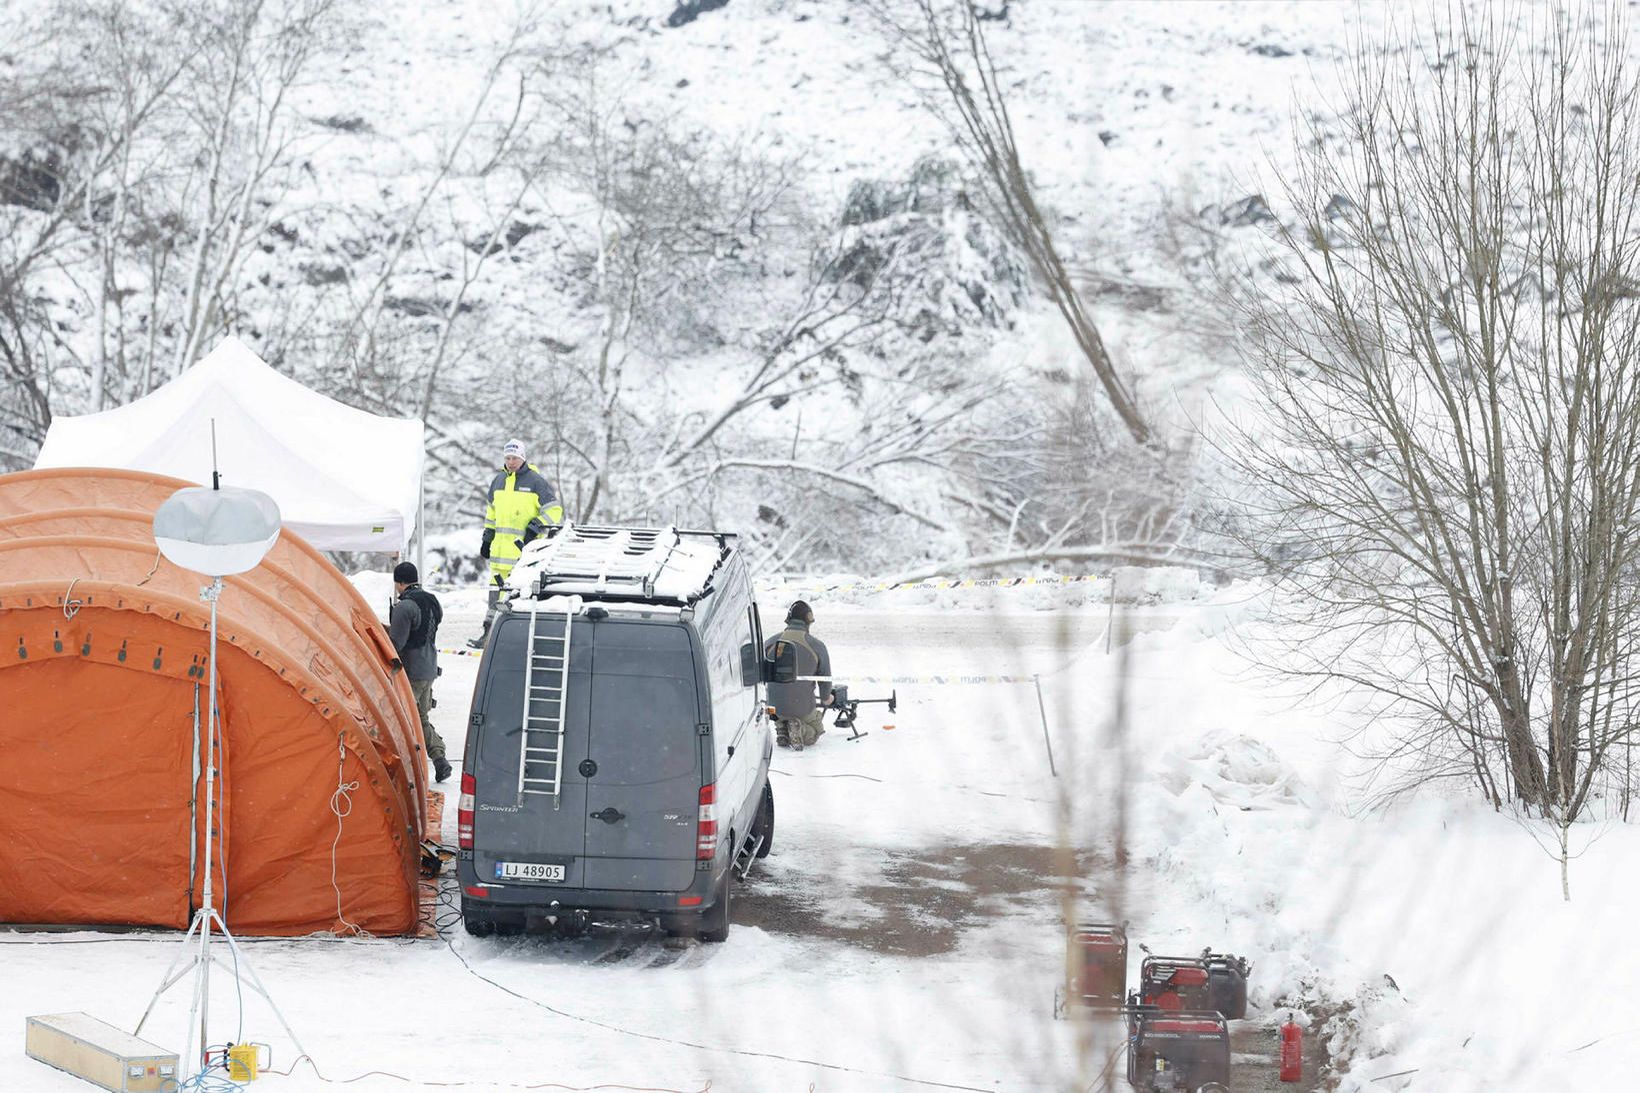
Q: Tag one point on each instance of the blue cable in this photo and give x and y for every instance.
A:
(207, 1082)
(212, 1079)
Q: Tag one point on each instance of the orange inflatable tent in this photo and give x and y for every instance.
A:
(103, 664)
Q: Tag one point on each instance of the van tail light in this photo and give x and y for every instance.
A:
(464, 812)
(706, 833)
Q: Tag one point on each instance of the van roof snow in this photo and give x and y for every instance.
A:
(649, 565)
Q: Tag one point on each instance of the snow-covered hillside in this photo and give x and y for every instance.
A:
(858, 377)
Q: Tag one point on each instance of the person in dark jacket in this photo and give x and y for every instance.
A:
(413, 626)
(797, 713)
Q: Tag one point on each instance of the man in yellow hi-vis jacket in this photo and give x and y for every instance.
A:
(520, 507)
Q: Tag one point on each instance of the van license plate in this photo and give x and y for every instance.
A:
(527, 870)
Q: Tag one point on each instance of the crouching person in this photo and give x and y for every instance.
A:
(413, 626)
(798, 715)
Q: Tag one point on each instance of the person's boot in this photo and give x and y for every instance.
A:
(484, 634)
(441, 768)
(783, 734)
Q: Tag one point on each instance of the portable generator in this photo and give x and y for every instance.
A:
(1178, 1051)
(1212, 982)
(1096, 965)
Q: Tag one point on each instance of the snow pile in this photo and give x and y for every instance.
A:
(1236, 771)
(1043, 591)
(376, 586)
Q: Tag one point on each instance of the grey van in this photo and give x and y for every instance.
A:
(617, 758)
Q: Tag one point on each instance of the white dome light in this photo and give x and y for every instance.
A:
(217, 532)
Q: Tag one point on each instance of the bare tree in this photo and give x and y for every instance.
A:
(153, 139)
(686, 250)
(78, 129)
(237, 106)
(947, 41)
(1444, 466)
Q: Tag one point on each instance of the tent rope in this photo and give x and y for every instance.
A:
(71, 606)
(151, 570)
(341, 804)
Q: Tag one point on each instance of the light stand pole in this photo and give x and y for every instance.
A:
(217, 532)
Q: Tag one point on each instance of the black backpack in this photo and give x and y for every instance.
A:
(431, 615)
(784, 658)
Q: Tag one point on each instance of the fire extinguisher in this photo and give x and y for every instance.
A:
(1292, 1051)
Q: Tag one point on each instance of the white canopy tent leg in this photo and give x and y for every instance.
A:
(421, 528)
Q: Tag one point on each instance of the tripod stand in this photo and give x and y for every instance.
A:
(199, 958)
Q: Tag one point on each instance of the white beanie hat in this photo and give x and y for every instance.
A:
(514, 447)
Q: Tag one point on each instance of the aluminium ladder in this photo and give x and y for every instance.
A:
(598, 557)
(541, 733)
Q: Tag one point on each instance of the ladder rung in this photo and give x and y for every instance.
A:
(543, 715)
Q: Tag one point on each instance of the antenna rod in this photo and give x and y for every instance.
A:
(216, 477)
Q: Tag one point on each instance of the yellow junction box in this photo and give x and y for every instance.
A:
(244, 1061)
(100, 1053)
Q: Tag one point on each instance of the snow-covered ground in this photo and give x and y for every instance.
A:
(906, 931)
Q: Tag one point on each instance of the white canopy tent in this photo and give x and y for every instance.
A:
(343, 478)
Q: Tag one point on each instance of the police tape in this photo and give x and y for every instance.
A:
(927, 582)
(463, 652)
(917, 680)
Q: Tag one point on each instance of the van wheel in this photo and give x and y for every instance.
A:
(714, 922)
(474, 921)
(763, 826)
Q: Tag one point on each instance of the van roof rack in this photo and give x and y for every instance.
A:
(662, 565)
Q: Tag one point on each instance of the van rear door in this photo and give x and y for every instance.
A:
(643, 799)
(532, 829)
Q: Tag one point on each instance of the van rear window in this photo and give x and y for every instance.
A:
(644, 704)
(636, 680)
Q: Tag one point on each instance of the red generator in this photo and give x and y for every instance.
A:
(1097, 965)
(1182, 1051)
(1211, 983)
